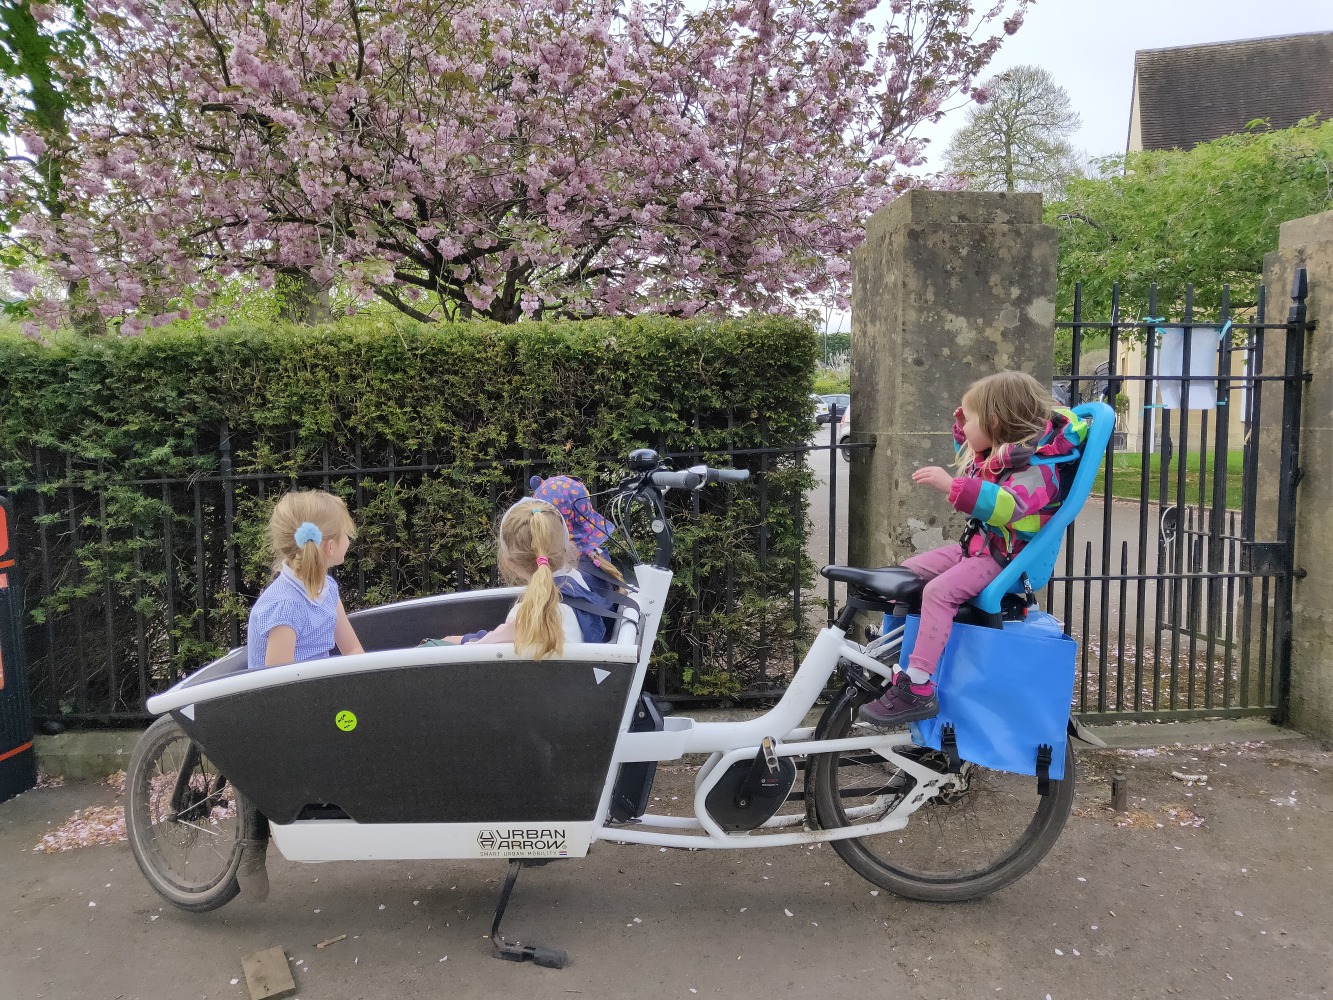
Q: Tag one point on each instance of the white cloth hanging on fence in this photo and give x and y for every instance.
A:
(1200, 384)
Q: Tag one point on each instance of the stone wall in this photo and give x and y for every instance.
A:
(1308, 243)
(948, 287)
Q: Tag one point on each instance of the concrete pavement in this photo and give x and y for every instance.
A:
(1213, 889)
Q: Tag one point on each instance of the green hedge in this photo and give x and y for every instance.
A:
(117, 452)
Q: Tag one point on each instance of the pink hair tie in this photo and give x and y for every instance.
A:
(543, 561)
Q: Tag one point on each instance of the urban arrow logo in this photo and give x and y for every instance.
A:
(527, 840)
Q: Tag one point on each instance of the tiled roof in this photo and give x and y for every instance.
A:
(1197, 93)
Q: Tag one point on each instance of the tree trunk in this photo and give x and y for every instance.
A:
(303, 299)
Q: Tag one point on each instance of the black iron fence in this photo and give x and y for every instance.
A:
(1178, 579)
(133, 583)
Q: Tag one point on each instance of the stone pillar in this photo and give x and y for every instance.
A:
(948, 287)
(1307, 243)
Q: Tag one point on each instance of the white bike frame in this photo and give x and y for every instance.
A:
(729, 742)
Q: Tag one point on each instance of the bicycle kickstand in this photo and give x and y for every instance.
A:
(514, 951)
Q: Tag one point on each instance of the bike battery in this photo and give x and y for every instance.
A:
(634, 783)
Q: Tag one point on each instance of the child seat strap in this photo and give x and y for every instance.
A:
(1044, 769)
(579, 604)
(622, 585)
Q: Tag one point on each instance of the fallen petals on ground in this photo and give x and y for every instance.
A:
(86, 828)
(89, 826)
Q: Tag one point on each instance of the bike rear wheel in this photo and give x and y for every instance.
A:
(185, 822)
(962, 844)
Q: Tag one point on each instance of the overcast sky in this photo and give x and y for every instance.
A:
(1089, 46)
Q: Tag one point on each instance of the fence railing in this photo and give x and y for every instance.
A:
(131, 584)
(1180, 590)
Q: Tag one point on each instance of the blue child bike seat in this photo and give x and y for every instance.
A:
(1037, 558)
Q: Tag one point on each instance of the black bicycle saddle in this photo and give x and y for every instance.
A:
(892, 583)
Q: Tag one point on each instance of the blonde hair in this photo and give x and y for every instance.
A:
(1012, 407)
(529, 530)
(327, 513)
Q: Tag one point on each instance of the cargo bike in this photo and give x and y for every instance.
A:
(476, 752)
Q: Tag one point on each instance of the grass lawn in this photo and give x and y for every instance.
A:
(1127, 466)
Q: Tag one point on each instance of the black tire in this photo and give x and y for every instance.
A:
(843, 448)
(962, 846)
(189, 855)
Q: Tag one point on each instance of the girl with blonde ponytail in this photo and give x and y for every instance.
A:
(300, 615)
(535, 549)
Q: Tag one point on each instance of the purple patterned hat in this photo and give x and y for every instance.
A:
(587, 529)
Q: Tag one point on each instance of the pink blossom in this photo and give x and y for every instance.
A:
(520, 155)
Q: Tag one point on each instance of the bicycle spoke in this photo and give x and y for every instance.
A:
(187, 823)
(978, 832)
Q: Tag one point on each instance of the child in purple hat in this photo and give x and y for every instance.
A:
(596, 579)
(593, 588)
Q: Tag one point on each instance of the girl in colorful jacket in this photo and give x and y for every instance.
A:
(1011, 444)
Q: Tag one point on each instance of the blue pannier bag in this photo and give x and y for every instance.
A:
(1005, 692)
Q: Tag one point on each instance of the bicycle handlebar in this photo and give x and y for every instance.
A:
(695, 477)
(649, 481)
(665, 480)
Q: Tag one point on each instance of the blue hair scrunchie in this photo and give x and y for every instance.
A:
(308, 532)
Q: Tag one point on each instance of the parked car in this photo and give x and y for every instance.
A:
(841, 400)
(821, 408)
(845, 433)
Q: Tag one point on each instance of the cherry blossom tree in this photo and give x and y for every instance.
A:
(41, 52)
(499, 158)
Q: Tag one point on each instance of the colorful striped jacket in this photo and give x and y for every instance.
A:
(1014, 489)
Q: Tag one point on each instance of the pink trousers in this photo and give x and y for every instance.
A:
(951, 578)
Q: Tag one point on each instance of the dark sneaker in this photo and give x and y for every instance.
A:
(899, 705)
(253, 871)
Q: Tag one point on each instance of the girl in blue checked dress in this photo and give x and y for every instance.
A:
(300, 616)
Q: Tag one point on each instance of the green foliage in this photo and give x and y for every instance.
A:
(1204, 217)
(834, 348)
(42, 79)
(832, 381)
(118, 451)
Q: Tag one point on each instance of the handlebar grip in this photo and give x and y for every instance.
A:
(728, 475)
(676, 480)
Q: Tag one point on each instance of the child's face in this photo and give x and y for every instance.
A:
(976, 435)
(335, 550)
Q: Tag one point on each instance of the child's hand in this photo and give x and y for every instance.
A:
(935, 477)
(959, 417)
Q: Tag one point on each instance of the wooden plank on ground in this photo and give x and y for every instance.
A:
(268, 975)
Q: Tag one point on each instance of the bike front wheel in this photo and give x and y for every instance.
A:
(967, 842)
(185, 822)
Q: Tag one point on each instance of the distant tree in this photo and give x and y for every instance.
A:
(500, 158)
(1203, 217)
(1016, 135)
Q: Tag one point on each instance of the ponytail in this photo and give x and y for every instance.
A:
(308, 562)
(300, 523)
(534, 543)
